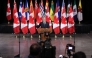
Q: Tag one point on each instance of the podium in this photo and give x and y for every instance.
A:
(42, 32)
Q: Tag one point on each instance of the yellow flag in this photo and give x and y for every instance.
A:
(52, 11)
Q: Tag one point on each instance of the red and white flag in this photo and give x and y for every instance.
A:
(56, 22)
(24, 26)
(39, 17)
(64, 27)
(71, 28)
(16, 23)
(48, 14)
(8, 12)
(36, 9)
(31, 20)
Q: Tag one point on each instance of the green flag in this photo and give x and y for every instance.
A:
(52, 11)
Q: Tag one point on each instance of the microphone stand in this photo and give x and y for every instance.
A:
(19, 45)
(18, 56)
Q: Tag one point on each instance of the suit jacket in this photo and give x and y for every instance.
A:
(42, 25)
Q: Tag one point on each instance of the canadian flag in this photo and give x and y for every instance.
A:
(56, 22)
(39, 17)
(48, 14)
(36, 9)
(71, 28)
(24, 26)
(16, 23)
(31, 20)
(8, 12)
(64, 27)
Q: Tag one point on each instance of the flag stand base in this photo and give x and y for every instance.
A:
(39, 37)
(8, 22)
(55, 37)
(16, 36)
(63, 37)
(23, 36)
(31, 37)
(70, 37)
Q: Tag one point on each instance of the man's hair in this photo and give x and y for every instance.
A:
(35, 49)
(79, 54)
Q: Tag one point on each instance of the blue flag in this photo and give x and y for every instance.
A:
(20, 10)
(27, 10)
(58, 5)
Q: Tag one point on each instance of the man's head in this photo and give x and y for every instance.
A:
(35, 49)
(79, 55)
(44, 19)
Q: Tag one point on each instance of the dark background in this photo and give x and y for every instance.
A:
(86, 8)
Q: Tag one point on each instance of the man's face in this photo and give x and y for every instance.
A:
(44, 19)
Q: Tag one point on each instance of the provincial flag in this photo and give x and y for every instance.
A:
(20, 10)
(52, 11)
(27, 10)
(80, 16)
(42, 8)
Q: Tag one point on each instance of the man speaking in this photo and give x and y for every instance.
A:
(44, 29)
(43, 24)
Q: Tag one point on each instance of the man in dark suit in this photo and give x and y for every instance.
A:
(43, 24)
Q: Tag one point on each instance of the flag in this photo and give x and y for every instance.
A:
(31, 20)
(80, 17)
(24, 26)
(27, 10)
(71, 28)
(16, 23)
(75, 10)
(48, 14)
(64, 27)
(35, 10)
(8, 12)
(42, 8)
(39, 17)
(56, 22)
(58, 5)
(52, 11)
(68, 6)
(20, 10)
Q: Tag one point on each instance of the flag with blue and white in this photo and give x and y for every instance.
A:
(20, 10)
(27, 10)
(42, 9)
(58, 5)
